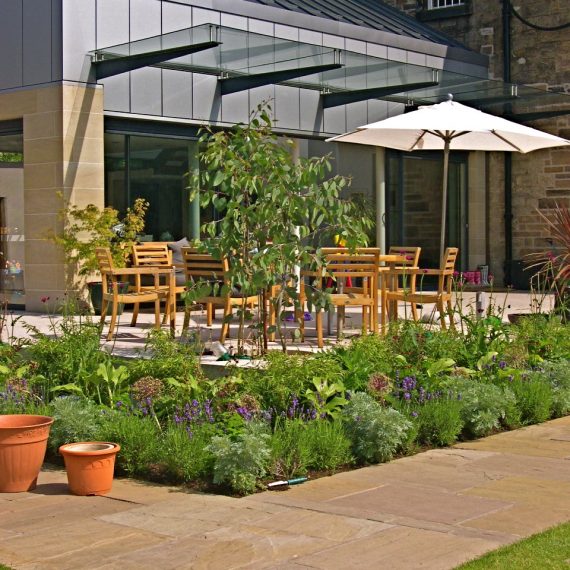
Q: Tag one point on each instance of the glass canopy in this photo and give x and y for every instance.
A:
(243, 60)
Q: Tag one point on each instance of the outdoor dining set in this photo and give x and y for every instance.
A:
(363, 278)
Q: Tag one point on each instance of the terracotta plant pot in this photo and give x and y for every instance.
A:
(90, 466)
(23, 442)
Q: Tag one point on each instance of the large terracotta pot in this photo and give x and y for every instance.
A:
(90, 466)
(23, 442)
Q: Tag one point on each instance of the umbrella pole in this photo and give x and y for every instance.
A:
(444, 199)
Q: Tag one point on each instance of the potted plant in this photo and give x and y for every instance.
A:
(23, 442)
(90, 466)
(91, 227)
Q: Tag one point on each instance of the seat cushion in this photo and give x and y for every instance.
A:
(176, 248)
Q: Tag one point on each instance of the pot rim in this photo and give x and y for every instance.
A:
(34, 421)
(67, 448)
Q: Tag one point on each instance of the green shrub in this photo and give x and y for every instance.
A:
(76, 419)
(290, 452)
(241, 461)
(329, 447)
(438, 421)
(185, 454)
(298, 445)
(286, 375)
(534, 399)
(69, 357)
(485, 406)
(376, 433)
(363, 357)
(164, 357)
(557, 374)
(138, 437)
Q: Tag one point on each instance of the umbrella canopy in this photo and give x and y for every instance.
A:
(450, 126)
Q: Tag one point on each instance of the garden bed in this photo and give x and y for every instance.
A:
(298, 415)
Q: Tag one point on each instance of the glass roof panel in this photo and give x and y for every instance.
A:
(242, 53)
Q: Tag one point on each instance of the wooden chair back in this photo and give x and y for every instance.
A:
(106, 266)
(411, 253)
(202, 266)
(362, 264)
(152, 254)
(449, 260)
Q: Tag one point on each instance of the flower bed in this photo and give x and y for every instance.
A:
(364, 403)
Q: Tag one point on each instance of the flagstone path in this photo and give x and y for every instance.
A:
(431, 511)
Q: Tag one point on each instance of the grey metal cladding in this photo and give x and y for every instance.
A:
(56, 40)
(36, 23)
(235, 107)
(311, 111)
(11, 37)
(287, 107)
(145, 19)
(112, 22)
(176, 94)
(146, 91)
(175, 17)
(117, 93)
(206, 100)
(78, 37)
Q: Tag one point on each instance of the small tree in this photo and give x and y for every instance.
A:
(274, 210)
(91, 227)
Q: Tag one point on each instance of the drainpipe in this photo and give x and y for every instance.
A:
(508, 189)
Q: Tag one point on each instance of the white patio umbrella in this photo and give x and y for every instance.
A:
(450, 126)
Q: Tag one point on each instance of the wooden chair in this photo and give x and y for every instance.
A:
(412, 255)
(111, 293)
(361, 267)
(201, 266)
(441, 298)
(154, 254)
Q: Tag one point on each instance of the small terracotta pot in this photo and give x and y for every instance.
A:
(23, 442)
(90, 466)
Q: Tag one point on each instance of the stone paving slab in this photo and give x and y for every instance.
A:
(432, 511)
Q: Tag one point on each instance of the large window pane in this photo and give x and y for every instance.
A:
(153, 168)
(414, 185)
(12, 236)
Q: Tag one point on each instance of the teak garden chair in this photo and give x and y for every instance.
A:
(154, 254)
(113, 296)
(441, 298)
(412, 256)
(201, 266)
(355, 276)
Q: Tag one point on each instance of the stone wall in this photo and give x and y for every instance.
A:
(540, 58)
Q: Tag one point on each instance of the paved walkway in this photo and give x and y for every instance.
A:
(432, 511)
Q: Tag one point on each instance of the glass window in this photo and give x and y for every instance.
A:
(436, 4)
(414, 188)
(156, 169)
(12, 237)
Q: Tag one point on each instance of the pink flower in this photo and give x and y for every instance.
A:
(44, 299)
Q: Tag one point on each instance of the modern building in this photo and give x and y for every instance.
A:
(101, 102)
(526, 43)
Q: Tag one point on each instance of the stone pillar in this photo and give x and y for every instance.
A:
(63, 163)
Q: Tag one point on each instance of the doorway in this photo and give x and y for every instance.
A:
(413, 203)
